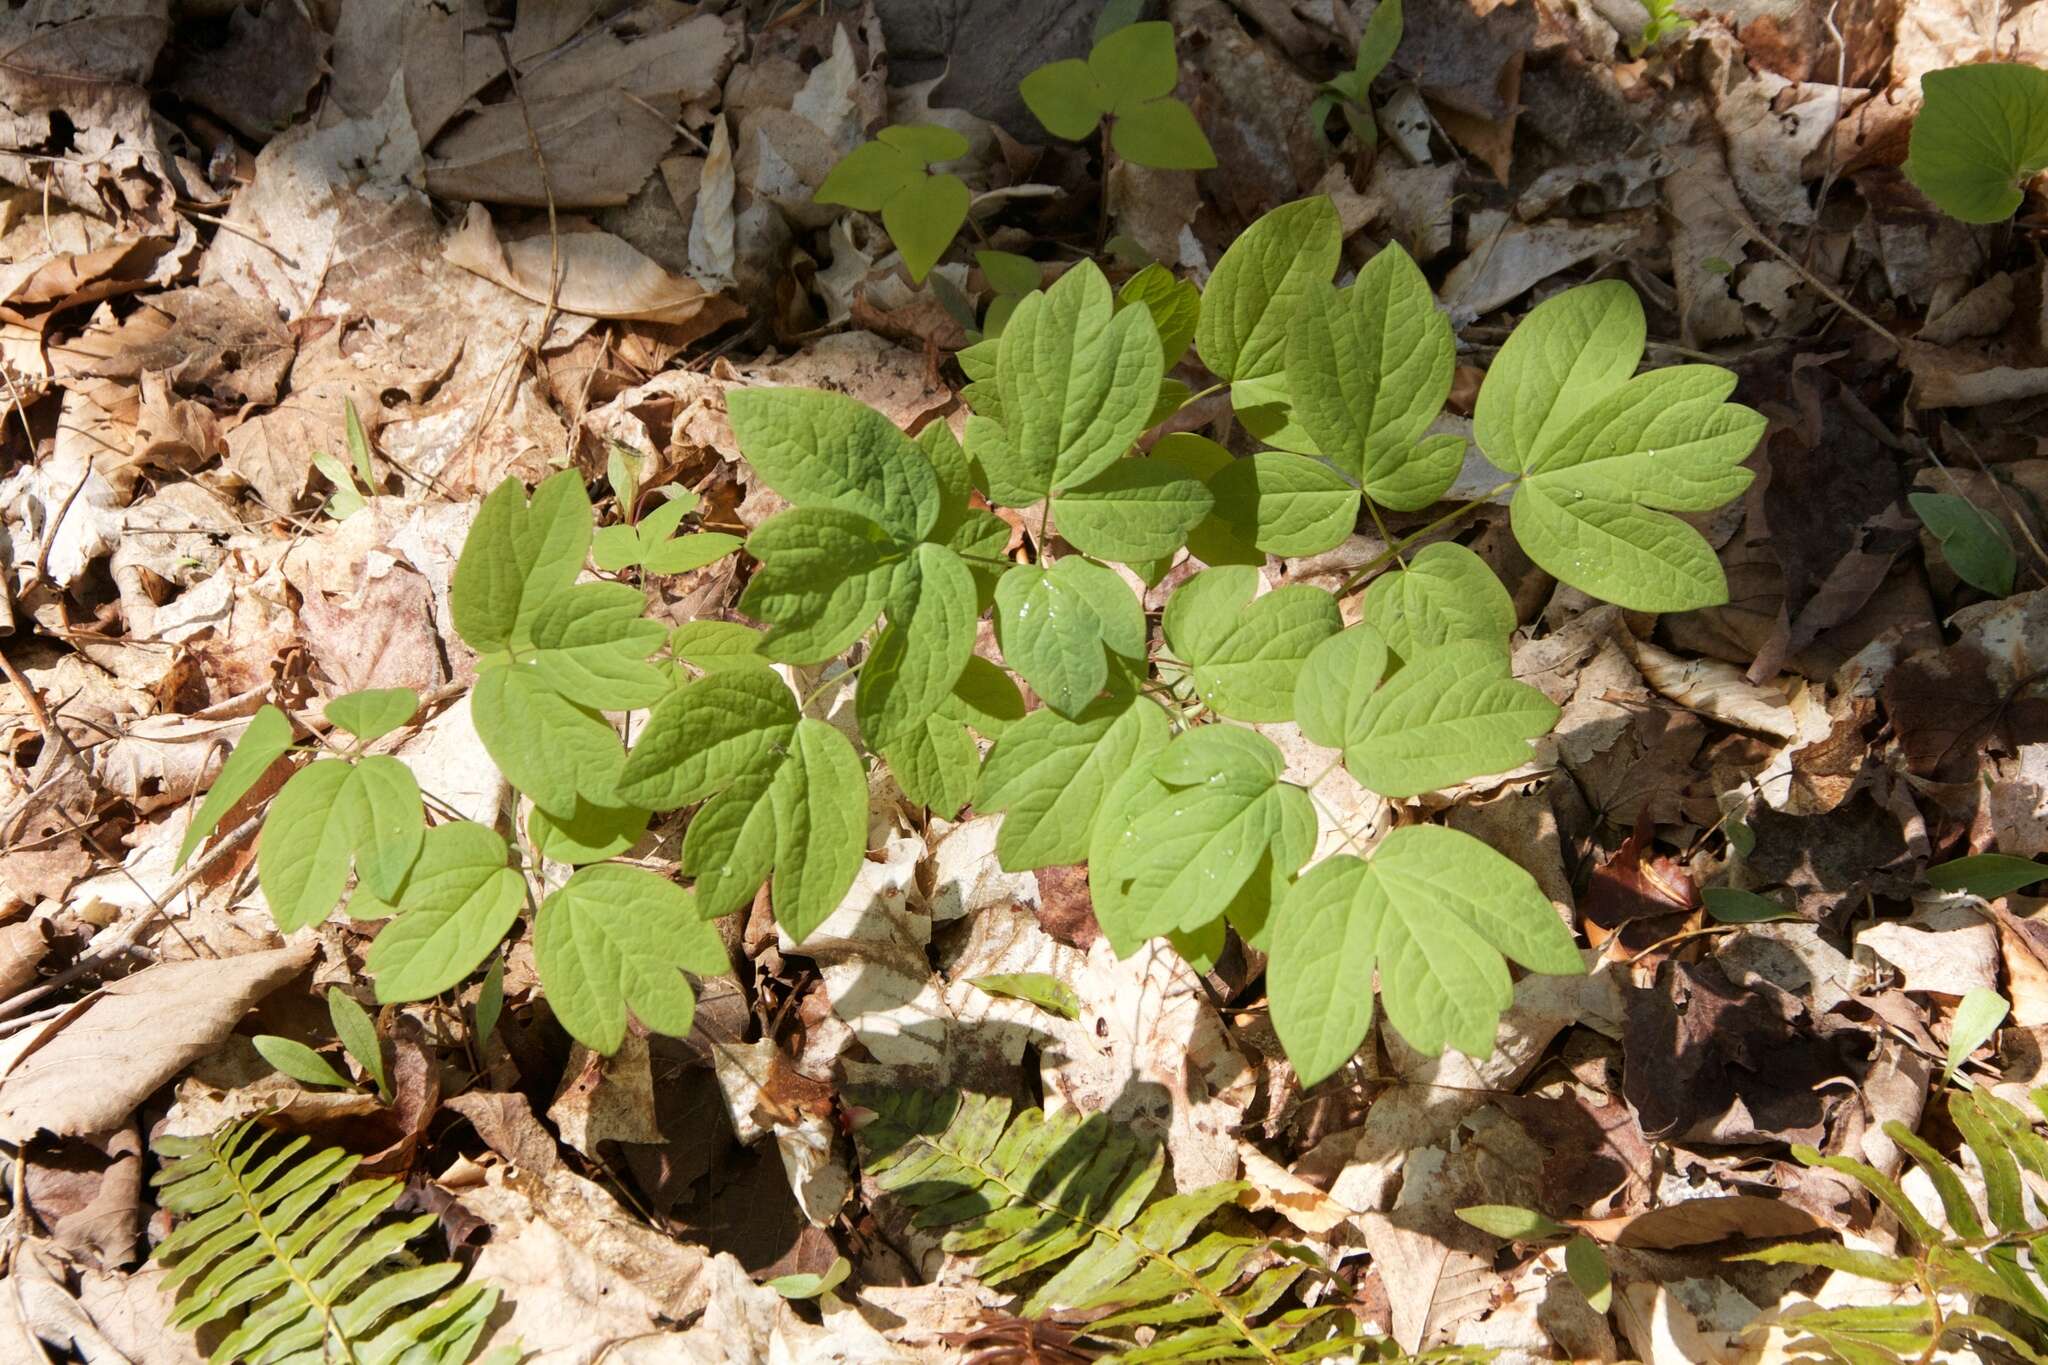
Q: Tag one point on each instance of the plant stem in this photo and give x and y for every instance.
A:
(829, 683)
(1380, 561)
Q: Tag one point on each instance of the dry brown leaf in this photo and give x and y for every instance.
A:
(131, 1037)
(601, 276)
(1697, 1222)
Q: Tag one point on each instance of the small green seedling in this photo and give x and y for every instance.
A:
(1976, 1019)
(356, 481)
(1011, 277)
(922, 210)
(1981, 136)
(1129, 79)
(358, 1035)
(1350, 92)
(1664, 21)
(651, 543)
(1973, 542)
(1584, 1262)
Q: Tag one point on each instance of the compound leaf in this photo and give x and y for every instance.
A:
(1133, 511)
(266, 738)
(589, 834)
(374, 713)
(1368, 370)
(1572, 350)
(1444, 595)
(1432, 912)
(1134, 64)
(1285, 504)
(617, 938)
(1078, 381)
(824, 576)
(923, 217)
(1244, 653)
(827, 451)
(1336, 685)
(1047, 775)
(1452, 713)
(867, 176)
(1065, 98)
(332, 814)
(591, 644)
(1258, 288)
(820, 797)
(930, 143)
(1982, 133)
(707, 734)
(553, 750)
(456, 906)
(919, 658)
(1053, 625)
(1164, 134)
(1175, 305)
(517, 556)
(1628, 554)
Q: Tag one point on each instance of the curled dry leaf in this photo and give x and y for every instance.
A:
(590, 273)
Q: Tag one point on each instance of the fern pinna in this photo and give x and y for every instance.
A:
(1067, 1200)
(1992, 1258)
(281, 1238)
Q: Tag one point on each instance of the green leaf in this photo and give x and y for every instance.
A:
(706, 735)
(1134, 64)
(1369, 368)
(825, 575)
(358, 1034)
(1976, 1019)
(1587, 1266)
(1629, 555)
(1209, 814)
(930, 143)
(1512, 1222)
(825, 450)
(298, 1061)
(922, 219)
(808, 1286)
(1133, 511)
(1376, 46)
(1432, 911)
(517, 556)
(1009, 273)
(551, 749)
(1054, 624)
(652, 543)
(1989, 875)
(684, 554)
(1064, 97)
(1244, 654)
(1982, 133)
(1175, 305)
(1078, 380)
(935, 765)
(1447, 594)
(1257, 290)
(1972, 542)
(591, 645)
(1335, 689)
(919, 658)
(370, 715)
(1285, 504)
(589, 834)
(456, 907)
(329, 815)
(1048, 992)
(617, 938)
(266, 738)
(1451, 713)
(345, 501)
(821, 826)
(1214, 540)
(865, 177)
(490, 999)
(1163, 134)
(1726, 905)
(712, 645)
(1572, 350)
(1047, 776)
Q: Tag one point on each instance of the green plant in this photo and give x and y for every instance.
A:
(1584, 1261)
(296, 1261)
(358, 1035)
(355, 478)
(1350, 92)
(1973, 542)
(1141, 760)
(1128, 79)
(1066, 1204)
(1982, 134)
(1663, 21)
(1992, 1260)
(892, 176)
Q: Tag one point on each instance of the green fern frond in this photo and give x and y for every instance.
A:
(1993, 1256)
(1068, 1201)
(279, 1245)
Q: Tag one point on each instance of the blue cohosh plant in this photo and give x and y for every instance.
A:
(1140, 758)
